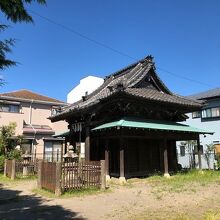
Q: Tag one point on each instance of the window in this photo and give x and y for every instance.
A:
(26, 146)
(52, 150)
(182, 151)
(196, 115)
(211, 112)
(48, 150)
(14, 108)
(215, 112)
(9, 108)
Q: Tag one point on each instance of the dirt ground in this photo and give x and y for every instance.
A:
(136, 201)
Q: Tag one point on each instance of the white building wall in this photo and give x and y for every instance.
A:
(86, 85)
(212, 125)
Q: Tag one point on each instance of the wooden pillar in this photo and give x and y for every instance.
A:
(103, 175)
(165, 159)
(199, 153)
(39, 174)
(87, 145)
(161, 157)
(13, 171)
(107, 160)
(122, 162)
(58, 190)
(5, 168)
(65, 146)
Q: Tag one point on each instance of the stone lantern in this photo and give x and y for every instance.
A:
(70, 155)
(26, 160)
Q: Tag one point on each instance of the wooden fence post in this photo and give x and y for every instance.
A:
(5, 168)
(103, 175)
(58, 190)
(13, 172)
(39, 174)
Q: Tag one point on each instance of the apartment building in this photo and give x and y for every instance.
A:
(30, 111)
(208, 118)
(86, 86)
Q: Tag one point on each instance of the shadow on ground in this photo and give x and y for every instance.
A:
(16, 206)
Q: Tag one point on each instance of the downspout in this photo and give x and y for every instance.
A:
(30, 122)
(30, 114)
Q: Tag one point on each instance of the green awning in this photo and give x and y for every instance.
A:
(63, 134)
(152, 125)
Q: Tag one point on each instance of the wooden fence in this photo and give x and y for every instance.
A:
(9, 169)
(78, 175)
(59, 177)
(48, 175)
(20, 169)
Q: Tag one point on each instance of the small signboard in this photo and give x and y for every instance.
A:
(217, 148)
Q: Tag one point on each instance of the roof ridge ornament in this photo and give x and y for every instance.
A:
(149, 59)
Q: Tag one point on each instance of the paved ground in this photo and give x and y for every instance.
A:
(123, 202)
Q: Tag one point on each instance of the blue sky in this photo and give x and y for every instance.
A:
(183, 37)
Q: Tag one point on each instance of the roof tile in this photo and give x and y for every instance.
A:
(29, 95)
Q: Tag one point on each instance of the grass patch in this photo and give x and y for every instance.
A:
(7, 181)
(180, 182)
(4, 179)
(159, 215)
(71, 193)
(212, 215)
(115, 183)
(44, 192)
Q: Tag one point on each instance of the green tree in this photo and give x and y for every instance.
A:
(15, 11)
(8, 144)
(209, 151)
(6, 134)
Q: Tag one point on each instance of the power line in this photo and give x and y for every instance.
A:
(183, 77)
(111, 48)
(83, 36)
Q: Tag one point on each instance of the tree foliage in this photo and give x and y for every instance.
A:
(208, 153)
(5, 47)
(6, 134)
(15, 11)
(8, 143)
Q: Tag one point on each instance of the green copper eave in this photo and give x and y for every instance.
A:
(154, 125)
(63, 134)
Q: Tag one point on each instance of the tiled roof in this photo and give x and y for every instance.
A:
(212, 93)
(152, 94)
(29, 95)
(139, 80)
(38, 129)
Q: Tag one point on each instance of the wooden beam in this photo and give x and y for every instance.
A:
(145, 134)
(87, 144)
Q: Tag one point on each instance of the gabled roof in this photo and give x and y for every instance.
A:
(26, 95)
(139, 80)
(212, 93)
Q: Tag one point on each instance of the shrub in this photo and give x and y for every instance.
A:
(14, 154)
(2, 160)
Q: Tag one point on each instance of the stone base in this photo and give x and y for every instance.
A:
(122, 180)
(108, 178)
(167, 175)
